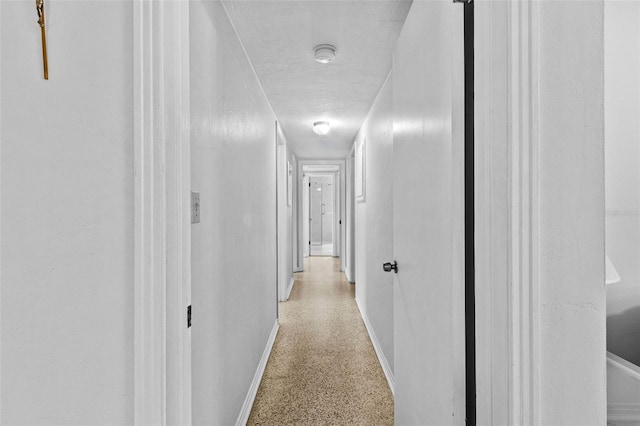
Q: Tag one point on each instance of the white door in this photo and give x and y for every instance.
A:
(428, 216)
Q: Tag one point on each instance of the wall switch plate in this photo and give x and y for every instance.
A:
(195, 207)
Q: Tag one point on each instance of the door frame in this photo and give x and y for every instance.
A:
(336, 202)
(162, 233)
(350, 217)
(507, 209)
(281, 214)
(340, 218)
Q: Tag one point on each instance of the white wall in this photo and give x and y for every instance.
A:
(622, 174)
(67, 214)
(234, 245)
(571, 134)
(374, 222)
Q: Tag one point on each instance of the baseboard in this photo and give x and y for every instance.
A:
(623, 412)
(346, 273)
(388, 374)
(243, 417)
(291, 281)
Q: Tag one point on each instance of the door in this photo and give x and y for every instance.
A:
(428, 163)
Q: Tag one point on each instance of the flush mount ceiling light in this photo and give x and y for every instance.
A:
(324, 53)
(321, 127)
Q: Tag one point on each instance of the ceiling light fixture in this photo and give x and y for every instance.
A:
(321, 127)
(324, 53)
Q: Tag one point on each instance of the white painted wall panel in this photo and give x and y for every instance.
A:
(233, 247)
(67, 215)
(374, 222)
(571, 135)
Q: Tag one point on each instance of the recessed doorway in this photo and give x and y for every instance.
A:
(321, 215)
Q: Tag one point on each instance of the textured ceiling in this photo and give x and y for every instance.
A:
(279, 37)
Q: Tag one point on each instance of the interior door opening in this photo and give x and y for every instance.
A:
(321, 215)
(321, 210)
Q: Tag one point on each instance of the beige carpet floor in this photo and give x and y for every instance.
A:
(323, 369)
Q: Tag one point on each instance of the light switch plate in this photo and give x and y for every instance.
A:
(195, 207)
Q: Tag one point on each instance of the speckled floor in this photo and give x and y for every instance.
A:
(323, 369)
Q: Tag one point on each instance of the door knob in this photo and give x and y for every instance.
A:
(390, 266)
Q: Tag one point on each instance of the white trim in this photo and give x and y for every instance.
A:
(291, 282)
(162, 242)
(346, 273)
(506, 112)
(623, 412)
(149, 278)
(524, 212)
(386, 368)
(245, 411)
(300, 212)
(281, 213)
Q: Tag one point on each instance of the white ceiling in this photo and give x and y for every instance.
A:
(279, 37)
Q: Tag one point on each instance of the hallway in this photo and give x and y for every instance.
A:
(323, 368)
(156, 207)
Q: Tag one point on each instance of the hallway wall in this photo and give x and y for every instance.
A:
(233, 247)
(374, 222)
(67, 214)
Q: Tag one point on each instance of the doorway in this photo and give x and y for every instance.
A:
(321, 210)
(321, 215)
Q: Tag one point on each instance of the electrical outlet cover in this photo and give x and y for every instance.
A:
(195, 207)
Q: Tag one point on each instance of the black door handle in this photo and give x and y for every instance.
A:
(390, 266)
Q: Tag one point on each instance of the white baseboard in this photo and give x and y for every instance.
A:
(346, 273)
(376, 346)
(291, 281)
(623, 412)
(623, 384)
(243, 417)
